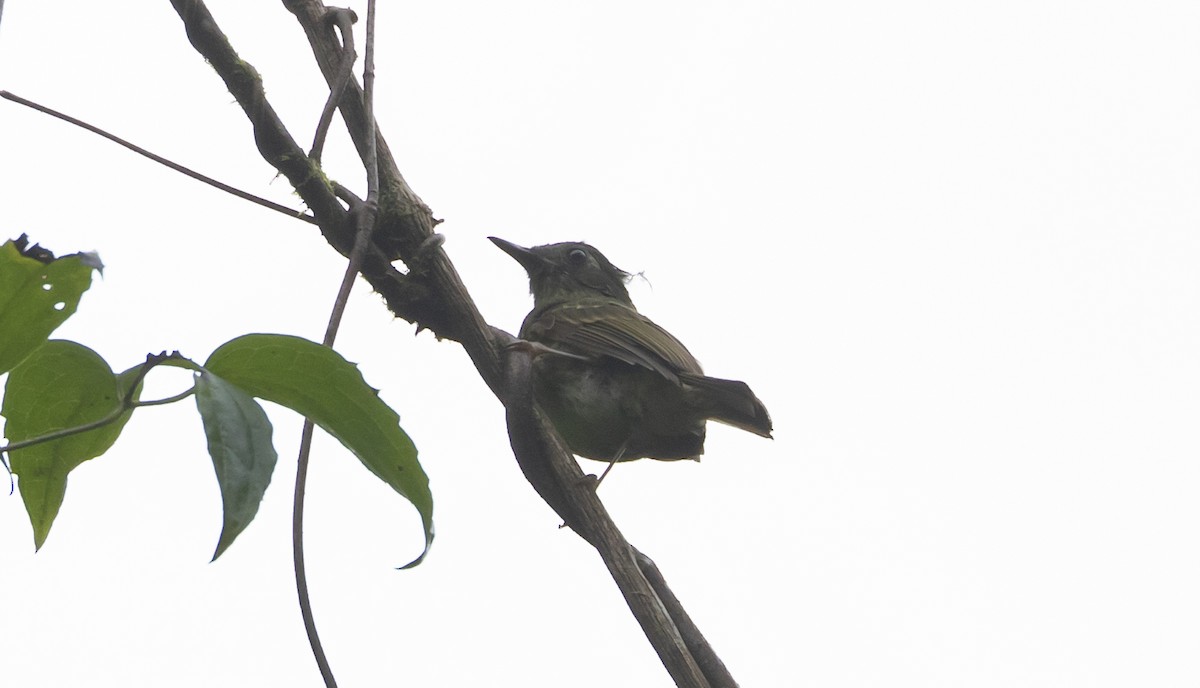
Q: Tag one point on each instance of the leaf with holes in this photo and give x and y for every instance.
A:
(35, 298)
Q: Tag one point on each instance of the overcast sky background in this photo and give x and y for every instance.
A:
(952, 246)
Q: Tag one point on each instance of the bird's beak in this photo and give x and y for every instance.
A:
(531, 261)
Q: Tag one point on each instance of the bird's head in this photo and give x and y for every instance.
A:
(568, 271)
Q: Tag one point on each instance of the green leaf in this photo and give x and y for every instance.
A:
(60, 385)
(35, 298)
(317, 382)
(239, 442)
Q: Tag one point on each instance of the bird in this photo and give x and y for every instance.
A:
(615, 385)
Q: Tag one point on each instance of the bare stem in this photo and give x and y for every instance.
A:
(245, 195)
(306, 612)
(344, 19)
(128, 403)
(364, 214)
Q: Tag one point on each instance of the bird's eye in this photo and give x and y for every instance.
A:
(577, 256)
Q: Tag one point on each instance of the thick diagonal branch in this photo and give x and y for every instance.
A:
(558, 479)
(406, 297)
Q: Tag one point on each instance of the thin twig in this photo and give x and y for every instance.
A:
(344, 19)
(245, 195)
(127, 404)
(306, 612)
(166, 400)
(372, 161)
(364, 214)
(279, 148)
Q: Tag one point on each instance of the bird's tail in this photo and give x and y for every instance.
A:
(728, 401)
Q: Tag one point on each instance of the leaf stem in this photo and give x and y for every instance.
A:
(128, 403)
(66, 432)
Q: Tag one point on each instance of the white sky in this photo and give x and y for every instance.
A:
(952, 246)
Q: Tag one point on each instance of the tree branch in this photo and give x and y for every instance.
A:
(406, 297)
(559, 480)
(406, 224)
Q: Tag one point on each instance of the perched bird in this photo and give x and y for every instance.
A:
(616, 386)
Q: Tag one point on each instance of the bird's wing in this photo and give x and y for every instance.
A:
(612, 330)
